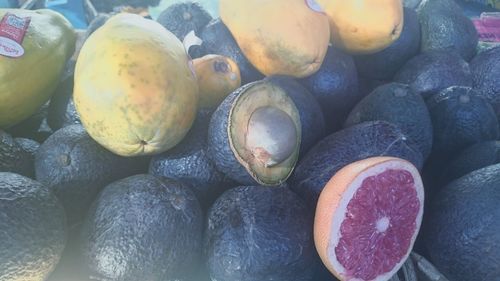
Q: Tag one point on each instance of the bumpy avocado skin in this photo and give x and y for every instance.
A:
(218, 40)
(143, 228)
(397, 104)
(189, 162)
(433, 71)
(311, 115)
(336, 87)
(260, 233)
(182, 18)
(366, 85)
(32, 229)
(472, 158)
(29, 146)
(461, 230)
(485, 69)
(13, 158)
(444, 25)
(383, 65)
(367, 139)
(460, 117)
(76, 168)
(219, 149)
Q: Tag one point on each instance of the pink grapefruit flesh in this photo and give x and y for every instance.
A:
(368, 217)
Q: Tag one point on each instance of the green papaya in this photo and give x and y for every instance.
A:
(29, 77)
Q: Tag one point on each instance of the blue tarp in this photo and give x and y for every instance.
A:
(8, 4)
(73, 10)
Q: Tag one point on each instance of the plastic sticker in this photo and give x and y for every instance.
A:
(313, 5)
(12, 32)
(191, 40)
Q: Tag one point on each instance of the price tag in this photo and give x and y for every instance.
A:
(12, 32)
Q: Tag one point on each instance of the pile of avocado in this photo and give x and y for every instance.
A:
(233, 196)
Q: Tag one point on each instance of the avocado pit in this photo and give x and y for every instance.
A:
(271, 136)
(264, 134)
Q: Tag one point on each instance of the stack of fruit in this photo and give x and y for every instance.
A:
(286, 140)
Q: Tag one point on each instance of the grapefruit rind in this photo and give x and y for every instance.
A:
(339, 192)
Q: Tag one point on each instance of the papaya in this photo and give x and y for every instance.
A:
(27, 80)
(364, 26)
(135, 90)
(290, 43)
(218, 76)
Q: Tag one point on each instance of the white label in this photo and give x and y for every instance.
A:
(191, 40)
(313, 5)
(10, 48)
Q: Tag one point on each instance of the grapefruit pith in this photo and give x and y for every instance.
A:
(368, 217)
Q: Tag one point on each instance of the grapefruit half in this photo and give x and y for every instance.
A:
(368, 217)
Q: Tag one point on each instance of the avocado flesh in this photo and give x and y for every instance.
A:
(255, 97)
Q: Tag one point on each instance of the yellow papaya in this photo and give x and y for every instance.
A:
(364, 26)
(287, 37)
(134, 88)
(218, 76)
(30, 75)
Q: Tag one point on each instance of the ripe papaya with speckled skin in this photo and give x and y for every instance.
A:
(134, 89)
(276, 42)
(364, 26)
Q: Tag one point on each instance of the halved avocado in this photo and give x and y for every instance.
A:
(255, 134)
